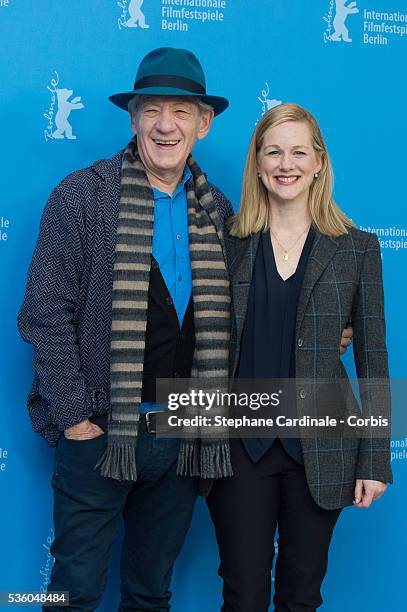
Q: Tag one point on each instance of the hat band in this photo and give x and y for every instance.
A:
(169, 80)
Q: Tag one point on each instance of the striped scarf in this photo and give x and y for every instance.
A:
(209, 457)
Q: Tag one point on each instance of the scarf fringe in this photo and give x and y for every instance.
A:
(118, 462)
(205, 460)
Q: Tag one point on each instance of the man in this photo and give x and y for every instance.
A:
(128, 283)
(109, 308)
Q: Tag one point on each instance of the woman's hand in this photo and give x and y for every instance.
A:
(346, 338)
(367, 491)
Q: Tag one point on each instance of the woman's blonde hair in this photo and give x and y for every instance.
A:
(253, 215)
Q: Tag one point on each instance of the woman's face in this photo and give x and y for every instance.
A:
(287, 162)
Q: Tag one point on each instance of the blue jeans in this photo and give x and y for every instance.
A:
(157, 512)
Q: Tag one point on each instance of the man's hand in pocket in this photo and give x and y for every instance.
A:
(85, 430)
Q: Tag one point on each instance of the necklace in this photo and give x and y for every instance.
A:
(286, 251)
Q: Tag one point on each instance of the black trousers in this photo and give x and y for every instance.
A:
(246, 509)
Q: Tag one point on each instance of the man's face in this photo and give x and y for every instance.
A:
(167, 129)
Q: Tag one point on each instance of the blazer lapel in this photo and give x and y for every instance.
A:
(241, 270)
(109, 198)
(241, 256)
(323, 250)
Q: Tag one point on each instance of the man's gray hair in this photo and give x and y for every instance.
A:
(138, 98)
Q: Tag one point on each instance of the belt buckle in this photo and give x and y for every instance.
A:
(148, 422)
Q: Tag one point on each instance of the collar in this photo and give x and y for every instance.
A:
(106, 168)
(187, 174)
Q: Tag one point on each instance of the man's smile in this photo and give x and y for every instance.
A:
(166, 143)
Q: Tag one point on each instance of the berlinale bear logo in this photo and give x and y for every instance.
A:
(61, 106)
(342, 12)
(65, 106)
(132, 16)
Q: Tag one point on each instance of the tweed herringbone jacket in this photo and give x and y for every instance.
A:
(67, 309)
(343, 281)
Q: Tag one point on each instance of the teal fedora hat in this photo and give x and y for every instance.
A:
(170, 72)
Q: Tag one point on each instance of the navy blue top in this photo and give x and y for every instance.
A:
(268, 340)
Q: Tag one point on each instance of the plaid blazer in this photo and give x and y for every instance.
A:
(342, 282)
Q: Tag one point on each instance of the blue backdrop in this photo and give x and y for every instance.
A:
(59, 61)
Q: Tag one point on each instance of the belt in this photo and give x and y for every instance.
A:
(155, 419)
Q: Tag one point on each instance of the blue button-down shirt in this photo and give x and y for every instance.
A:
(171, 243)
(171, 249)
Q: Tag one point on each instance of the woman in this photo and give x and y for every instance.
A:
(299, 272)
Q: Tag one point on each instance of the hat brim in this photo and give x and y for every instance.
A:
(122, 99)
